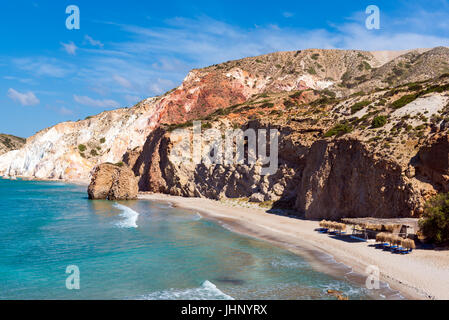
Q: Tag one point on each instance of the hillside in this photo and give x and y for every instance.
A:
(356, 129)
(9, 143)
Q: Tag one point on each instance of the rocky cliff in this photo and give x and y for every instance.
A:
(356, 132)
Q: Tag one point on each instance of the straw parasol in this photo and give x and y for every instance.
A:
(374, 227)
(388, 237)
(408, 244)
(323, 224)
(395, 240)
(380, 237)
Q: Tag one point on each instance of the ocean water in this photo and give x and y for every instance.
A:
(139, 250)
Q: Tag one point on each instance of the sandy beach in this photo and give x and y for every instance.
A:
(423, 274)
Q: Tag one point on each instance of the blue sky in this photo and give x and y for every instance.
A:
(126, 51)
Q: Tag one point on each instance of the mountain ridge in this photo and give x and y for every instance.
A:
(322, 101)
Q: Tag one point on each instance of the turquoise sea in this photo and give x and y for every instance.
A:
(140, 250)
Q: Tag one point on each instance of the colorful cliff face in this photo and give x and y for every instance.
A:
(351, 125)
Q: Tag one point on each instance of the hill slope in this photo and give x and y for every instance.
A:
(9, 143)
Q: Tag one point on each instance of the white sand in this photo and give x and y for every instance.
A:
(423, 274)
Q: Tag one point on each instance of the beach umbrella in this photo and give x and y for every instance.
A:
(409, 244)
(380, 237)
(396, 240)
(388, 238)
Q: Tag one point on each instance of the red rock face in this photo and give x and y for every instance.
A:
(200, 97)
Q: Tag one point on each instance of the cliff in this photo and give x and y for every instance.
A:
(354, 131)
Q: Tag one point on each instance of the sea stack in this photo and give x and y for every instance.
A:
(113, 182)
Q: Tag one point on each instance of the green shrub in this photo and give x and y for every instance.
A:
(120, 164)
(289, 104)
(435, 222)
(315, 56)
(379, 122)
(311, 71)
(102, 140)
(414, 87)
(359, 106)
(366, 65)
(206, 125)
(82, 148)
(404, 100)
(338, 130)
(93, 153)
(267, 105)
(173, 127)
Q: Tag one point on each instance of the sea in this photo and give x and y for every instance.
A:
(55, 243)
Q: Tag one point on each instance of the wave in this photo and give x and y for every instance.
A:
(207, 291)
(129, 215)
(198, 216)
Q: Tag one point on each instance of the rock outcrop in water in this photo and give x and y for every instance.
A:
(355, 134)
(113, 182)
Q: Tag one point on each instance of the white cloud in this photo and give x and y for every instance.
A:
(87, 101)
(70, 48)
(122, 81)
(25, 99)
(64, 111)
(132, 99)
(93, 42)
(161, 85)
(287, 14)
(42, 66)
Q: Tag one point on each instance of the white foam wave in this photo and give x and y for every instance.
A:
(288, 263)
(207, 291)
(129, 217)
(198, 216)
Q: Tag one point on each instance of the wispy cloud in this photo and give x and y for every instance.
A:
(87, 101)
(93, 42)
(25, 99)
(70, 48)
(43, 66)
(287, 14)
(122, 81)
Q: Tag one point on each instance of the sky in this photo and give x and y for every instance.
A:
(126, 51)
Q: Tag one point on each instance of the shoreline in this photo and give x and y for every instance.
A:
(423, 274)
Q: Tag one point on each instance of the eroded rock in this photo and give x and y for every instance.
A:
(113, 182)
